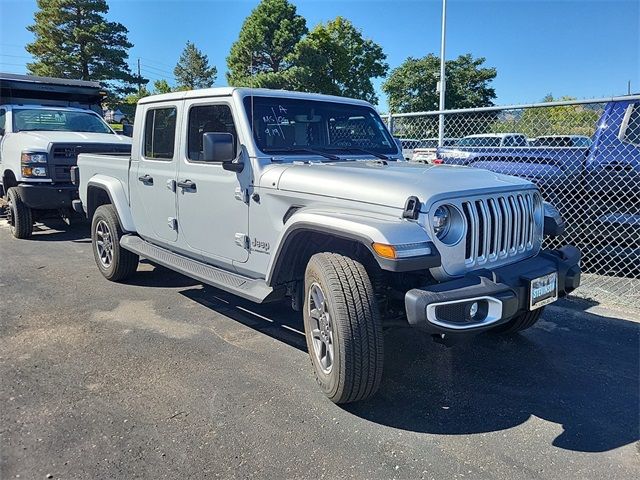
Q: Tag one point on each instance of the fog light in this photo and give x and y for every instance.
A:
(473, 310)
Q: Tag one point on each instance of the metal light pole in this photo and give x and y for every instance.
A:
(443, 80)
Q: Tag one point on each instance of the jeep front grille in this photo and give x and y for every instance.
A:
(499, 227)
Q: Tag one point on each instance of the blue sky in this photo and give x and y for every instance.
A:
(583, 48)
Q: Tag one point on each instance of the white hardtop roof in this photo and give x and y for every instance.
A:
(244, 91)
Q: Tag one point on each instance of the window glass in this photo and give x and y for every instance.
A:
(160, 133)
(478, 142)
(290, 125)
(3, 116)
(207, 118)
(44, 119)
(632, 133)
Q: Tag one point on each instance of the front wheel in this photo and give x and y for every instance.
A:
(114, 262)
(519, 322)
(19, 215)
(342, 327)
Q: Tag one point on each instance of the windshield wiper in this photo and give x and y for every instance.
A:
(381, 156)
(313, 151)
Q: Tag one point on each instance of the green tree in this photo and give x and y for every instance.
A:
(193, 71)
(556, 120)
(411, 87)
(73, 39)
(335, 59)
(161, 86)
(264, 52)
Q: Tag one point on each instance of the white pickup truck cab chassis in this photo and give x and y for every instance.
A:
(274, 194)
(44, 124)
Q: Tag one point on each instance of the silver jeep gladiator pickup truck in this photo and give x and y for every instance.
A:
(273, 194)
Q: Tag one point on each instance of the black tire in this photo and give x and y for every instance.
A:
(354, 328)
(519, 322)
(19, 215)
(105, 228)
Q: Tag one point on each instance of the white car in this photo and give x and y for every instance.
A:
(493, 140)
(426, 152)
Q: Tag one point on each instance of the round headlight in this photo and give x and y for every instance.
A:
(441, 221)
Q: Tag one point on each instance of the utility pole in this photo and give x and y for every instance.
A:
(139, 79)
(442, 84)
(629, 87)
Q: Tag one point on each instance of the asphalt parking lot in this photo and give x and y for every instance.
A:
(164, 378)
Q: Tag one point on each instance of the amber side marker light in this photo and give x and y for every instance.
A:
(403, 250)
(385, 251)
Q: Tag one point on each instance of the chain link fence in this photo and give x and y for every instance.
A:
(583, 155)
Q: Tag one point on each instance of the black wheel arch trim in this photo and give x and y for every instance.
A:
(91, 209)
(422, 262)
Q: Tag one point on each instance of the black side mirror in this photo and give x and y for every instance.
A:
(127, 130)
(221, 147)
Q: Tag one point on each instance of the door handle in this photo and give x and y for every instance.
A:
(146, 179)
(187, 185)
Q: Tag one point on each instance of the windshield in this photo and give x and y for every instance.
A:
(285, 125)
(28, 120)
(479, 142)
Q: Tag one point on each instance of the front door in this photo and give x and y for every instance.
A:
(153, 182)
(213, 211)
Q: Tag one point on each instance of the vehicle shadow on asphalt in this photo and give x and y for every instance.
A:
(276, 320)
(578, 370)
(58, 231)
(574, 368)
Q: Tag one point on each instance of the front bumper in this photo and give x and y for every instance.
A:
(45, 196)
(501, 293)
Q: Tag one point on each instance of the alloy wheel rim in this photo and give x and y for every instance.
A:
(321, 328)
(104, 244)
(10, 215)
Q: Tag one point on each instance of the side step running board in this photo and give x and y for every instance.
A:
(255, 290)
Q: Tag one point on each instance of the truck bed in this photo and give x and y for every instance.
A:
(94, 165)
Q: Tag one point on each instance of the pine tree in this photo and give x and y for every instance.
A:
(73, 39)
(263, 54)
(193, 71)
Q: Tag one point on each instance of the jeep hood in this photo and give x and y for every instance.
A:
(42, 139)
(387, 183)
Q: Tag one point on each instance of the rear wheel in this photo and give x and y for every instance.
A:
(19, 215)
(519, 322)
(342, 327)
(114, 262)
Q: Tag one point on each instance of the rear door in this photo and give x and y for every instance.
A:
(153, 184)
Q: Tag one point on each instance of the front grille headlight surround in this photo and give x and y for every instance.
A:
(447, 223)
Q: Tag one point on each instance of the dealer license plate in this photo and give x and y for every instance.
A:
(543, 291)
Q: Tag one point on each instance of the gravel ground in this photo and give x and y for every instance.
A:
(164, 378)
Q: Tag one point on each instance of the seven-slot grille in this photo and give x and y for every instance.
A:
(64, 156)
(499, 226)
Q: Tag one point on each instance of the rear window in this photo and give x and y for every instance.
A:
(160, 133)
(632, 131)
(479, 142)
